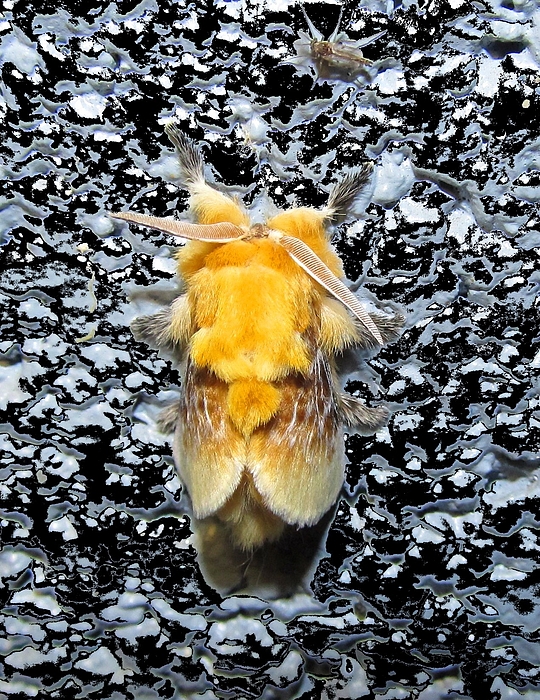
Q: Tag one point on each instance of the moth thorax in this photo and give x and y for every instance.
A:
(258, 231)
(321, 48)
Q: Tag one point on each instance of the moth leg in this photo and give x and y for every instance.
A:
(354, 414)
(169, 328)
(345, 191)
(206, 204)
(168, 418)
(155, 295)
(389, 328)
(189, 157)
(154, 329)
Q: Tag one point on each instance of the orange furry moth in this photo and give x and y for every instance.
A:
(263, 315)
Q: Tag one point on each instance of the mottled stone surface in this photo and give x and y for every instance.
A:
(429, 584)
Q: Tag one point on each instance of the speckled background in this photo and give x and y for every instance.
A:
(428, 585)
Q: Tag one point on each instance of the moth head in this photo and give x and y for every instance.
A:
(225, 231)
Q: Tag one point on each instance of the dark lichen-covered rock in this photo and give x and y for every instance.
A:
(427, 584)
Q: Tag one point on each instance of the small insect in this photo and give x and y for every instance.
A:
(337, 57)
(263, 316)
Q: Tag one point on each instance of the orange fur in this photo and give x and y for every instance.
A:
(251, 404)
(307, 225)
(337, 329)
(261, 447)
(181, 327)
(250, 322)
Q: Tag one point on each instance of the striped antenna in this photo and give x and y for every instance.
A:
(213, 233)
(314, 266)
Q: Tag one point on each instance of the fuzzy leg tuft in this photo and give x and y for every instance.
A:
(356, 415)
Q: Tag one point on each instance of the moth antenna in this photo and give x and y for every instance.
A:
(314, 266)
(344, 192)
(189, 156)
(332, 38)
(213, 233)
(315, 33)
(370, 39)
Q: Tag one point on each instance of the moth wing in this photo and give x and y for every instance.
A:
(296, 460)
(208, 452)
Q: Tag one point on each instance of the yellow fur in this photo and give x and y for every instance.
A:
(213, 207)
(337, 329)
(250, 321)
(237, 253)
(192, 256)
(181, 327)
(308, 225)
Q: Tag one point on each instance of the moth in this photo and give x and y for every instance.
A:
(337, 57)
(263, 316)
